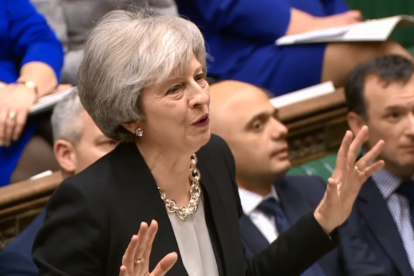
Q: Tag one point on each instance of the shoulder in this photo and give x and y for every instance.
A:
(216, 146)
(307, 185)
(89, 186)
(218, 151)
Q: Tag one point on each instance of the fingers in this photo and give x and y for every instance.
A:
(370, 156)
(9, 128)
(165, 264)
(152, 231)
(128, 258)
(341, 160)
(20, 122)
(356, 145)
(3, 119)
(123, 271)
(374, 167)
(142, 236)
(356, 15)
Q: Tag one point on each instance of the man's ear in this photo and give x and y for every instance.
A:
(65, 155)
(355, 122)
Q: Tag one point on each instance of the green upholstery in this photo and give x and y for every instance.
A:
(322, 167)
(384, 8)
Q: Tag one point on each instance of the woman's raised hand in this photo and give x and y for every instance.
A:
(136, 258)
(347, 180)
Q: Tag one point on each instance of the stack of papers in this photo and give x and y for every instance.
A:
(303, 94)
(370, 30)
(48, 102)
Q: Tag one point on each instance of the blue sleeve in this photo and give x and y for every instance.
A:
(33, 39)
(335, 7)
(265, 20)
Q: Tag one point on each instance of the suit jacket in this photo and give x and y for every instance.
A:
(298, 196)
(373, 223)
(92, 216)
(16, 257)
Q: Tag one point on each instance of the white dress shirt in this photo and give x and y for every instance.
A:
(399, 208)
(193, 239)
(266, 224)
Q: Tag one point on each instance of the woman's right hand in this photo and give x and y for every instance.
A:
(339, 20)
(136, 258)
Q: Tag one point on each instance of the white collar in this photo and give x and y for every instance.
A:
(250, 200)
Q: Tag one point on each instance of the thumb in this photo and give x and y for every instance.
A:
(355, 14)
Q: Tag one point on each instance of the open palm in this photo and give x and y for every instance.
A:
(347, 179)
(136, 258)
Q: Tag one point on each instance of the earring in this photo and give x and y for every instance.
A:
(139, 132)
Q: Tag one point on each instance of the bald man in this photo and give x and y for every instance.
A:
(243, 115)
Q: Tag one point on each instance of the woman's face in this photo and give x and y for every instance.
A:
(177, 110)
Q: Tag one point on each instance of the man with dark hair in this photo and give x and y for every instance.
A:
(272, 201)
(380, 94)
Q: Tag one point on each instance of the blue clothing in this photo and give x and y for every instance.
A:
(373, 224)
(16, 257)
(299, 195)
(24, 37)
(273, 208)
(240, 37)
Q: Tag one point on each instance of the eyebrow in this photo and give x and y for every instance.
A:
(394, 107)
(259, 116)
(199, 68)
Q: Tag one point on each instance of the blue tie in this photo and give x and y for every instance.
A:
(271, 207)
(406, 189)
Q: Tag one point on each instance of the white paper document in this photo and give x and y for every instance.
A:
(48, 102)
(303, 94)
(370, 30)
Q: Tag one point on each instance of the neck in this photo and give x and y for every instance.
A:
(170, 170)
(402, 172)
(261, 187)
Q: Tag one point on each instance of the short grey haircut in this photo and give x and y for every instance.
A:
(66, 118)
(126, 52)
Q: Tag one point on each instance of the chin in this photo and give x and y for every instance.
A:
(282, 167)
(200, 140)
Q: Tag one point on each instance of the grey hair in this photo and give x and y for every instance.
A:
(66, 118)
(126, 52)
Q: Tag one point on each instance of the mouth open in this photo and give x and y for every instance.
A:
(202, 121)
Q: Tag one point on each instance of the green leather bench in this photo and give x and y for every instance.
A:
(373, 9)
(322, 167)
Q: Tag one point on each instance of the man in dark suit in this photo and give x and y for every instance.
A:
(78, 143)
(380, 94)
(243, 115)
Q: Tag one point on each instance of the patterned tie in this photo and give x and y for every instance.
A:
(406, 189)
(272, 207)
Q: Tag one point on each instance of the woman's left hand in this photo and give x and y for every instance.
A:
(15, 103)
(347, 180)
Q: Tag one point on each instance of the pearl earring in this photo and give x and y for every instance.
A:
(139, 132)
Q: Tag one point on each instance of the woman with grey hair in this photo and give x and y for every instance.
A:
(143, 82)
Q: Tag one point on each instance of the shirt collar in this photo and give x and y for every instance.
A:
(250, 200)
(386, 182)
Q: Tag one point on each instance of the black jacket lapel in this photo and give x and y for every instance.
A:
(292, 202)
(253, 239)
(132, 167)
(378, 217)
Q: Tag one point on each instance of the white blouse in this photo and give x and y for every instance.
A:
(194, 243)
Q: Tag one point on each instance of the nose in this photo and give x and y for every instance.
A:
(279, 130)
(200, 95)
(410, 128)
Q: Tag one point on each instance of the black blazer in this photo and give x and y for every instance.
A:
(298, 196)
(92, 216)
(372, 222)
